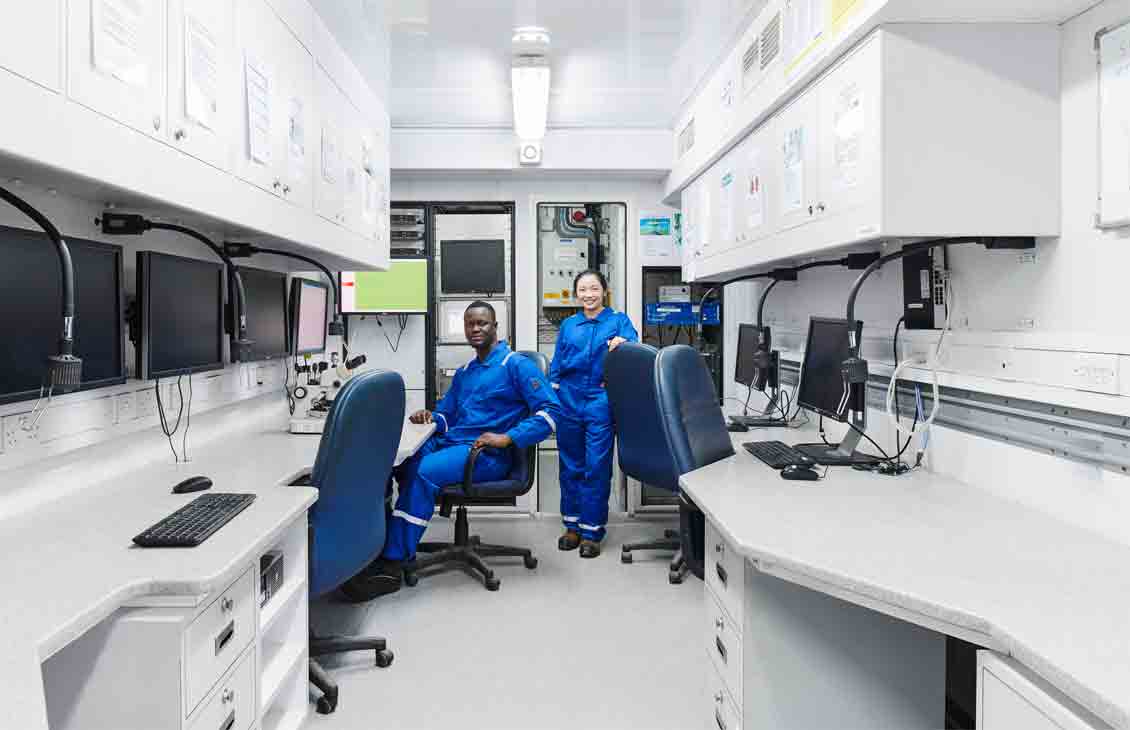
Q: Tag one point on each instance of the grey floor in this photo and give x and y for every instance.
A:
(576, 644)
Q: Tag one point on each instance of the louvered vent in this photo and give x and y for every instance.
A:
(749, 60)
(771, 41)
(686, 138)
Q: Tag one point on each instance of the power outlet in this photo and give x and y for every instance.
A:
(145, 404)
(16, 435)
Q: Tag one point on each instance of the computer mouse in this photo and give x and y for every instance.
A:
(799, 473)
(193, 484)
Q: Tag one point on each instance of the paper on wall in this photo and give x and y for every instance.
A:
(792, 181)
(258, 110)
(117, 33)
(1114, 126)
(201, 72)
(726, 208)
(848, 136)
(754, 190)
(657, 235)
(296, 140)
(331, 160)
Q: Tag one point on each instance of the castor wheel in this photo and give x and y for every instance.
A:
(625, 558)
(384, 658)
(530, 561)
(492, 583)
(674, 577)
(327, 704)
(411, 579)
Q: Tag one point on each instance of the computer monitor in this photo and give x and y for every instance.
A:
(823, 390)
(32, 322)
(181, 315)
(403, 289)
(450, 324)
(751, 339)
(266, 313)
(309, 303)
(473, 267)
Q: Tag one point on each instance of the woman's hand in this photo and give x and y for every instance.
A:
(421, 417)
(493, 441)
(615, 342)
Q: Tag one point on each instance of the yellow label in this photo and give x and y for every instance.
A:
(840, 11)
(551, 295)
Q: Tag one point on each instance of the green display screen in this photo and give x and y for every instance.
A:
(403, 288)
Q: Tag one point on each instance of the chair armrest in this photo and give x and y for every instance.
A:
(469, 472)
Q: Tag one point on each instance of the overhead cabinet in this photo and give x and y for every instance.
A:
(920, 131)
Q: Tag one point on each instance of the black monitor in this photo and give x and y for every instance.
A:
(473, 267)
(823, 388)
(309, 305)
(266, 313)
(751, 340)
(181, 315)
(30, 316)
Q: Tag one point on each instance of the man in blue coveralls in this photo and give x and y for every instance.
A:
(498, 400)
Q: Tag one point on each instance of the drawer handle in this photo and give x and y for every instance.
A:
(719, 548)
(226, 604)
(225, 637)
(230, 722)
(722, 574)
(721, 649)
(718, 719)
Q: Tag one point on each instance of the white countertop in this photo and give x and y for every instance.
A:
(940, 553)
(70, 563)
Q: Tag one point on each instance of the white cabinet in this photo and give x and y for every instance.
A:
(797, 135)
(758, 192)
(329, 178)
(31, 42)
(116, 60)
(203, 71)
(1009, 697)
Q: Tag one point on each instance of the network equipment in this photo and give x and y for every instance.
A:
(776, 454)
(30, 292)
(180, 315)
(451, 320)
(266, 313)
(403, 289)
(473, 267)
(824, 389)
(195, 522)
(308, 306)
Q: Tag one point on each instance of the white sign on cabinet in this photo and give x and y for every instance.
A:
(792, 182)
(258, 111)
(296, 139)
(116, 40)
(201, 71)
(1114, 126)
(754, 189)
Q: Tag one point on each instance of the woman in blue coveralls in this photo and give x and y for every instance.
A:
(585, 433)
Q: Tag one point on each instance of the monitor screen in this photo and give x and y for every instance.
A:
(181, 308)
(266, 313)
(32, 320)
(450, 323)
(473, 267)
(308, 309)
(746, 371)
(821, 382)
(403, 289)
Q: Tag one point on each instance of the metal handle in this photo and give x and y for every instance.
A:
(718, 696)
(229, 722)
(820, 207)
(721, 649)
(276, 185)
(225, 637)
(286, 189)
(228, 695)
(156, 123)
(226, 604)
(719, 548)
(719, 623)
(810, 210)
(722, 575)
(180, 134)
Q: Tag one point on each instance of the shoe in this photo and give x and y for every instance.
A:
(380, 578)
(569, 541)
(590, 548)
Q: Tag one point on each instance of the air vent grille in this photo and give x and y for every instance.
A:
(771, 41)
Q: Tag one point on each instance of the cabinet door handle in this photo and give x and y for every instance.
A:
(225, 637)
(179, 134)
(229, 722)
(718, 548)
(228, 695)
(719, 623)
(721, 649)
(226, 604)
(722, 575)
(810, 210)
(718, 697)
(286, 190)
(276, 185)
(820, 207)
(718, 719)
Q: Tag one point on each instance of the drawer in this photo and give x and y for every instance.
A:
(232, 705)
(216, 637)
(725, 572)
(724, 644)
(722, 713)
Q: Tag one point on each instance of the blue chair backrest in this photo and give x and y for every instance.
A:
(629, 378)
(355, 457)
(690, 413)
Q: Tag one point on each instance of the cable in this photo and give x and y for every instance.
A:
(748, 395)
(164, 421)
(290, 402)
(895, 360)
(402, 323)
(892, 388)
(187, 423)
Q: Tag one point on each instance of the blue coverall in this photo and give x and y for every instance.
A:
(505, 394)
(584, 431)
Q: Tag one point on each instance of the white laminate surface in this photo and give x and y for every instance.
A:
(938, 552)
(70, 563)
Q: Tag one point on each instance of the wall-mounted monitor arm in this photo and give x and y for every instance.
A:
(242, 250)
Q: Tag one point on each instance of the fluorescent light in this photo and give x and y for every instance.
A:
(531, 100)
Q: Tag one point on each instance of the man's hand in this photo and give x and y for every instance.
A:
(421, 417)
(615, 342)
(493, 441)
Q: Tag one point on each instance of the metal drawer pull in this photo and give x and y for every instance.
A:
(226, 604)
(228, 695)
(230, 722)
(718, 697)
(718, 548)
(721, 649)
(225, 637)
(722, 575)
(718, 719)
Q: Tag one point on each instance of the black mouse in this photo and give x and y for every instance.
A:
(193, 484)
(799, 473)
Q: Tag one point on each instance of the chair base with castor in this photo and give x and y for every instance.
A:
(327, 703)
(466, 551)
(678, 568)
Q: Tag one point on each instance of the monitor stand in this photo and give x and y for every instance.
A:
(766, 418)
(843, 453)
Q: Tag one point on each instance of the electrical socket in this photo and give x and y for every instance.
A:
(145, 404)
(15, 437)
(1028, 257)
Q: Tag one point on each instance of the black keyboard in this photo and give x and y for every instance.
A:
(776, 454)
(193, 523)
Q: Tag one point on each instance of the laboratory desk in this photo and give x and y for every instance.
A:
(827, 602)
(70, 565)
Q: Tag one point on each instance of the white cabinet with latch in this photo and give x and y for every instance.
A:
(329, 177)
(1010, 697)
(31, 43)
(202, 74)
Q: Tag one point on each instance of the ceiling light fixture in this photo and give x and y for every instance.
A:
(529, 76)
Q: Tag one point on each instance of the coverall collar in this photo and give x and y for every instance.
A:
(500, 350)
(604, 314)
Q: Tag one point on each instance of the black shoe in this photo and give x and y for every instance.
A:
(380, 578)
(569, 541)
(590, 548)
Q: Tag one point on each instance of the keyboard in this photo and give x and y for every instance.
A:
(776, 454)
(193, 523)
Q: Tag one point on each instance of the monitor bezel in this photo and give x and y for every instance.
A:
(232, 329)
(379, 312)
(296, 284)
(144, 352)
(840, 417)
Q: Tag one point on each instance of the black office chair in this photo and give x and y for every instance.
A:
(668, 422)
(468, 551)
(347, 523)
